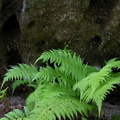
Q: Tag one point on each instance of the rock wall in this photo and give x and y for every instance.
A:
(28, 27)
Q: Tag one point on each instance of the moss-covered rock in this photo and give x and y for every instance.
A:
(89, 27)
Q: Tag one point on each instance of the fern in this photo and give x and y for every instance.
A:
(17, 114)
(98, 84)
(68, 68)
(47, 91)
(48, 74)
(52, 100)
(22, 74)
(3, 93)
(61, 107)
(68, 62)
(64, 90)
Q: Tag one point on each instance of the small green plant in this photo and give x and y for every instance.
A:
(67, 89)
(17, 114)
(3, 94)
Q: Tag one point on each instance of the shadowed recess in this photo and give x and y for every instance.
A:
(13, 57)
(11, 25)
(101, 9)
(11, 34)
(96, 40)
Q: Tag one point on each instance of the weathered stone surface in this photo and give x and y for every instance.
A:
(89, 27)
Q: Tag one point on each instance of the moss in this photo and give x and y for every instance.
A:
(54, 23)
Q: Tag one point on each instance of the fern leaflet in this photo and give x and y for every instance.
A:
(17, 114)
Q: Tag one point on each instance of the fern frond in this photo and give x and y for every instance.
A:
(17, 83)
(50, 75)
(17, 114)
(60, 107)
(46, 75)
(21, 72)
(47, 91)
(3, 93)
(103, 90)
(51, 100)
(54, 56)
(94, 80)
(68, 62)
(111, 61)
(95, 86)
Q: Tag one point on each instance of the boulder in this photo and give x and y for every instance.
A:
(91, 28)
(29, 27)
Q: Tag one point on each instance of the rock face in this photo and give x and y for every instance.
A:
(28, 27)
(9, 34)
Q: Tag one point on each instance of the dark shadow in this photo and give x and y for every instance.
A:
(11, 37)
(13, 57)
(11, 26)
(101, 9)
(95, 41)
(31, 24)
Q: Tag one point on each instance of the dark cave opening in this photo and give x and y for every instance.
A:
(11, 34)
(11, 26)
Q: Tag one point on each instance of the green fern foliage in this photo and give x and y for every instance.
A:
(61, 107)
(98, 84)
(68, 67)
(17, 114)
(21, 74)
(3, 93)
(47, 91)
(51, 101)
(68, 62)
(64, 90)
